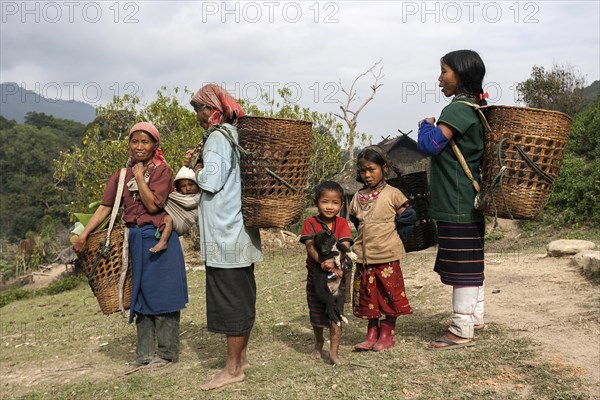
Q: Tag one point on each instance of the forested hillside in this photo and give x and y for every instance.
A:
(28, 196)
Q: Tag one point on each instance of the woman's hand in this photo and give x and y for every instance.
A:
(79, 245)
(187, 161)
(138, 171)
(431, 120)
(187, 158)
(99, 216)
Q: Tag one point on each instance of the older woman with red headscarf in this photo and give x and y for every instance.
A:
(228, 248)
(159, 280)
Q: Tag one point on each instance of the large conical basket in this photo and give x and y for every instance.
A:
(274, 170)
(530, 142)
(105, 268)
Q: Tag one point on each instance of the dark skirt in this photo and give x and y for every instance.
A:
(230, 300)
(460, 257)
(316, 309)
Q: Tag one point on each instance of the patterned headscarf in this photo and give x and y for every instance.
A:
(226, 109)
(158, 158)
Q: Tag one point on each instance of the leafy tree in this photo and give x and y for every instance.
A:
(559, 89)
(6, 124)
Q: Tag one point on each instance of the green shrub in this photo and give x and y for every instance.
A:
(12, 295)
(63, 285)
(574, 200)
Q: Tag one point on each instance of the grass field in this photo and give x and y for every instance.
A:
(61, 347)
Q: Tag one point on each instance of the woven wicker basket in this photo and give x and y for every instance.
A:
(415, 187)
(104, 270)
(284, 147)
(542, 135)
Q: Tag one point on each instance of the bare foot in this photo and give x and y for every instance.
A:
(316, 354)
(222, 378)
(334, 359)
(245, 364)
(159, 247)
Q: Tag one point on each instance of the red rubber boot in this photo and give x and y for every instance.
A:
(386, 337)
(372, 335)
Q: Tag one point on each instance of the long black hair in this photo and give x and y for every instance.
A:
(469, 70)
(374, 154)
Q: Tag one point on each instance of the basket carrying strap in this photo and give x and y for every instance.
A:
(229, 136)
(498, 179)
(463, 164)
(458, 153)
(115, 209)
(124, 267)
(125, 253)
(481, 198)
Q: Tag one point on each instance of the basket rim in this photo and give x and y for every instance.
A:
(528, 109)
(298, 121)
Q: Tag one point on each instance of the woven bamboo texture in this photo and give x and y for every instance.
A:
(416, 189)
(284, 147)
(104, 269)
(542, 135)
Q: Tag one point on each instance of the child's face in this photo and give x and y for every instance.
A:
(187, 186)
(448, 81)
(329, 204)
(371, 173)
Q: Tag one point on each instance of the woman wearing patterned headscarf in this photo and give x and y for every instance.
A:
(159, 280)
(228, 248)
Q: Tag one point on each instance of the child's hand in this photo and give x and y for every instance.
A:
(328, 265)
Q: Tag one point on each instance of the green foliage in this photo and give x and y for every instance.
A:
(6, 124)
(11, 295)
(82, 172)
(559, 89)
(26, 157)
(7, 269)
(62, 285)
(584, 137)
(576, 196)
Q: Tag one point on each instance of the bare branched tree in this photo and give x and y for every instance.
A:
(351, 117)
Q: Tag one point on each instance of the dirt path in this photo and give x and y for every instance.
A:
(546, 299)
(46, 275)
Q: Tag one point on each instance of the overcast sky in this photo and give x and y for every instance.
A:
(90, 51)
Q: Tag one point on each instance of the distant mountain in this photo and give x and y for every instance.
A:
(16, 102)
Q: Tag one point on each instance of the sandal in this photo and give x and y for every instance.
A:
(479, 327)
(158, 362)
(449, 344)
(134, 367)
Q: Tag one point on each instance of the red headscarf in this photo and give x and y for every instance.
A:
(226, 109)
(158, 158)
